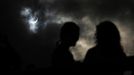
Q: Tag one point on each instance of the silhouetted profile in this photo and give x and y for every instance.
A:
(108, 52)
(69, 34)
(10, 61)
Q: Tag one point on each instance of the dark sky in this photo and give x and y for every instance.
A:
(36, 46)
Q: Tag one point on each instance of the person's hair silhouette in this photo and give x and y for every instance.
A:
(69, 35)
(107, 34)
(108, 50)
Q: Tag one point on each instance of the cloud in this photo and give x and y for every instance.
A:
(87, 14)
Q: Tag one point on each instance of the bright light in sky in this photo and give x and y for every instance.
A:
(33, 22)
(30, 18)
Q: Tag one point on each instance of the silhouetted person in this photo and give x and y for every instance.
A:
(62, 57)
(108, 52)
(10, 60)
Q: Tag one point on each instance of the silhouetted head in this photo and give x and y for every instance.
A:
(69, 33)
(107, 33)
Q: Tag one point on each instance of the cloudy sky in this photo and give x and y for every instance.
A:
(35, 25)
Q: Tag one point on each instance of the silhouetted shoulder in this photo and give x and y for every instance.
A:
(62, 57)
(91, 53)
